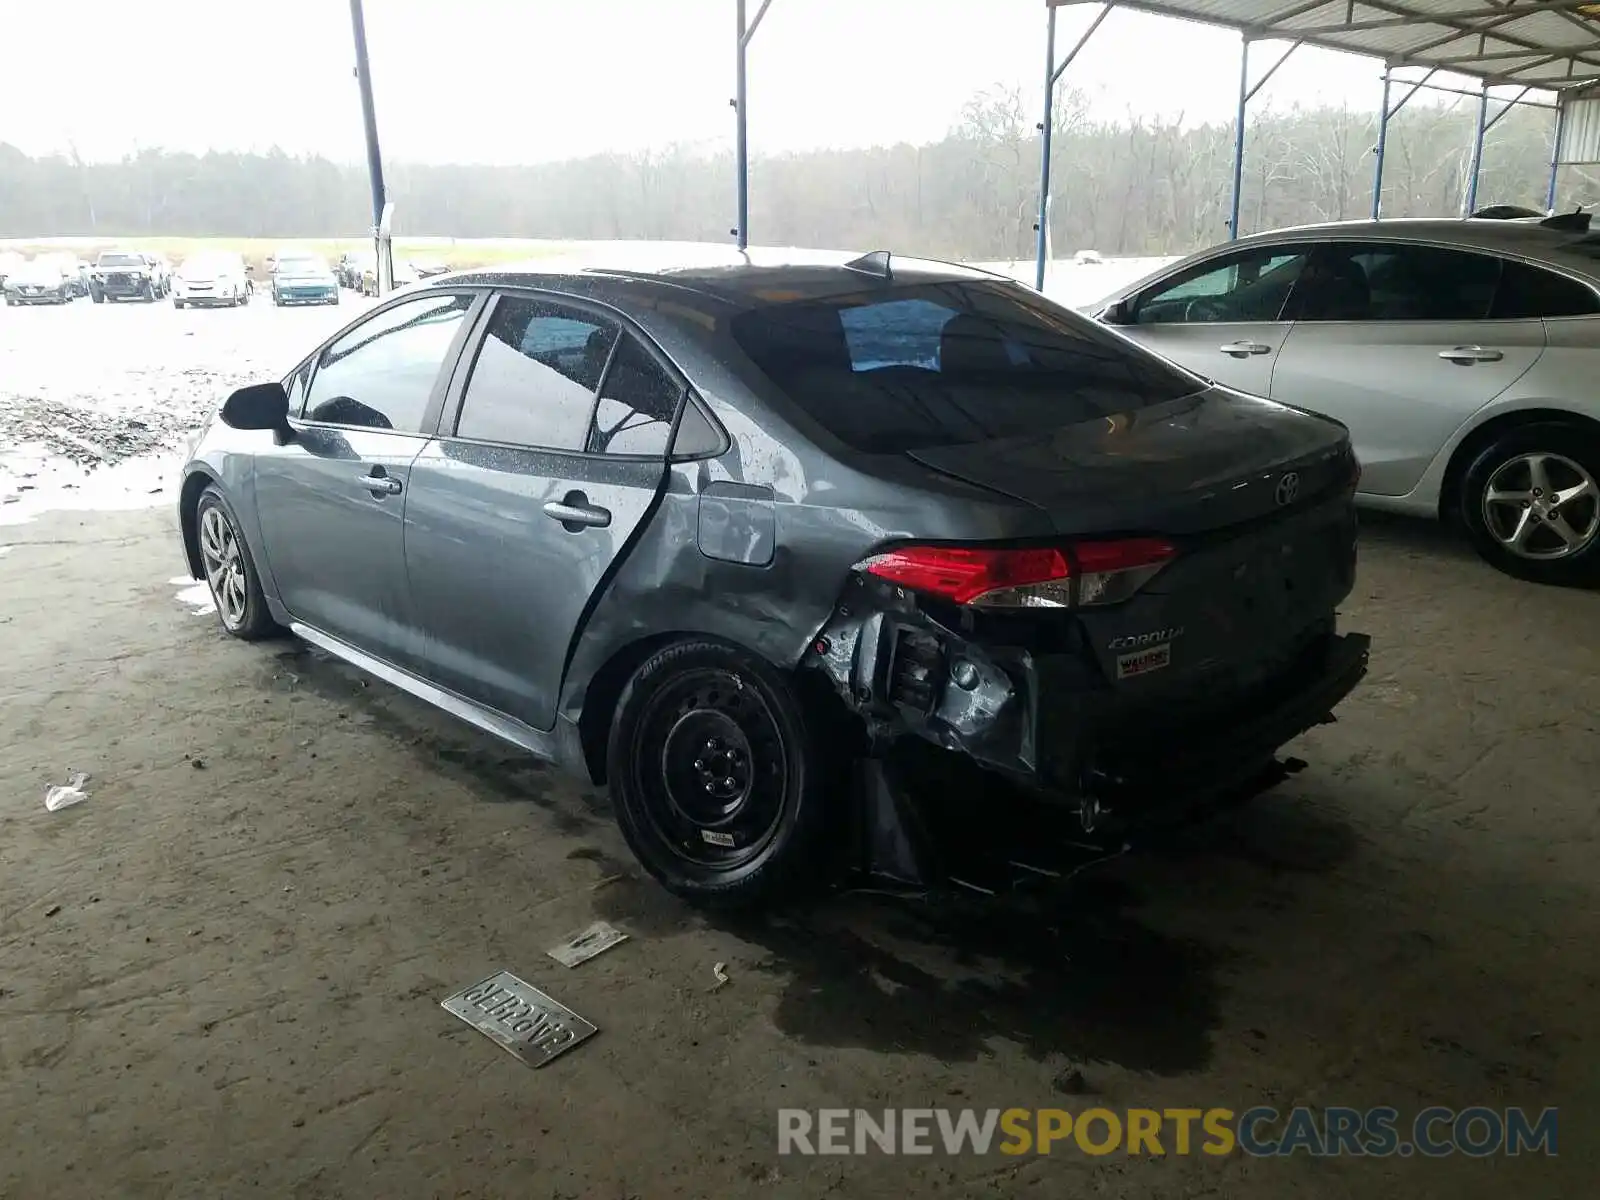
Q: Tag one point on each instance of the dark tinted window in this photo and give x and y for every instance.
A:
(636, 406)
(943, 364)
(1248, 286)
(1351, 282)
(534, 379)
(381, 374)
(1527, 291)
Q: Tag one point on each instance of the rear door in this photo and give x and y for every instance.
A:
(1402, 343)
(332, 501)
(551, 456)
(1223, 318)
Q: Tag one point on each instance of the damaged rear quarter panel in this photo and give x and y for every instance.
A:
(755, 547)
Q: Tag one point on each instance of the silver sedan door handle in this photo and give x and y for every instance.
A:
(575, 512)
(1245, 349)
(1467, 355)
(380, 484)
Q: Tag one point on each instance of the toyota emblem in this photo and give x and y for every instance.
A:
(1288, 487)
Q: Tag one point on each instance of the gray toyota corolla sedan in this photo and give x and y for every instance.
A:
(717, 531)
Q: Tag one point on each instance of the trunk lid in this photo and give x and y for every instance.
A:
(1202, 462)
(1261, 563)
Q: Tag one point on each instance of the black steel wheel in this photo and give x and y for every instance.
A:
(719, 786)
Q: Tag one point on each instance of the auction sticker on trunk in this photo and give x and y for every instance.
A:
(1142, 662)
(520, 1018)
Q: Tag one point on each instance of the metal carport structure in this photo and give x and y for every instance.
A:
(1531, 45)
(1547, 46)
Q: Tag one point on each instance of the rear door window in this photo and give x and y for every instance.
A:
(1349, 281)
(380, 375)
(918, 365)
(1247, 286)
(1527, 291)
(533, 382)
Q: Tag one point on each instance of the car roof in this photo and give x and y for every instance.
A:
(749, 278)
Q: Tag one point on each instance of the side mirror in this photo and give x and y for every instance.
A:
(1120, 312)
(259, 406)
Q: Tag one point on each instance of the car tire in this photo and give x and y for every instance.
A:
(1519, 532)
(721, 789)
(230, 572)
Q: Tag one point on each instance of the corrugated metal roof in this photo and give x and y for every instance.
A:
(1550, 44)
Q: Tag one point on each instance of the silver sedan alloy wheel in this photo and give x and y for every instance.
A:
(223, 560)
(1542, 506)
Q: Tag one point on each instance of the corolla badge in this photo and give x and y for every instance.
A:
(1288, 487)
(1156, 637)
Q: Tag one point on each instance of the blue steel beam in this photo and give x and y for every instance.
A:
(1477, 149)
(1247, 94)
(1052, 74)
(741, 133)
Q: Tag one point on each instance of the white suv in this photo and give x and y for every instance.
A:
(1464, 355)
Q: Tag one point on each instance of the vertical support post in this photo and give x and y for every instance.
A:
(1042, 247)
(1383, 137)
(1238, 136)
(1477, 151)
(1555, 157)
(741, 145)
(369, 121)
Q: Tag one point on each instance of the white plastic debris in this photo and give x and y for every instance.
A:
(583, 945)
(720, 970)
(65, 796)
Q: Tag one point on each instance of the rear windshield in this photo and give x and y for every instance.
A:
(943, 364)
(122, 260)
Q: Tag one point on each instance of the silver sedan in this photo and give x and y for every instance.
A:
(1460, 353)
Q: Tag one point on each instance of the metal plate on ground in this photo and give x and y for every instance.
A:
(520, 1018)
(580, 947)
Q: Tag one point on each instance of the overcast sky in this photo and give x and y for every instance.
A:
(532, 80)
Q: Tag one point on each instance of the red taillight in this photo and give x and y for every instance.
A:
(1103, 572)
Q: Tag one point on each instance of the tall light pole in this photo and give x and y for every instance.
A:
(382, 210)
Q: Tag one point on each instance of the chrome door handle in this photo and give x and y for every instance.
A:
(386, 484)
(575, 511)
(1245, 349)
(1467, 355)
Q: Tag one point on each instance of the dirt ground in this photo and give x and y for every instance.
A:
(220, 976)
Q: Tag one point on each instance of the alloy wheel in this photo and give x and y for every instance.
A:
(223, 560)
(1542, 506)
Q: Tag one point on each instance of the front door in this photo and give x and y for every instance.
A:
(1396, 341)
(518, 510)
(1223, 319)
(332, 501)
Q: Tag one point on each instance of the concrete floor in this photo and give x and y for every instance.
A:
(220, 976)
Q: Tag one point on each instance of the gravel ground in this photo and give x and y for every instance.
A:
(221, 973)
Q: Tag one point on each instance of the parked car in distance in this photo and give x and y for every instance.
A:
(1460, 353)
(707, 529)
(404, 275)
(41, 281)
(349, 267)
(161, 272)
(211, 278)
(122, 275)
(10, 260)
(74, 268)
(303, 279)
